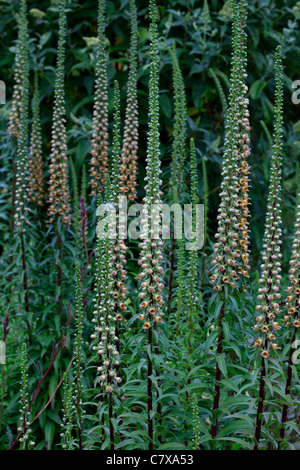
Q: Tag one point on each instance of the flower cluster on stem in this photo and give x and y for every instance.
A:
(117, 262)
(105, 321)
(68, 415)
(269, 291)
(243, 142)
(59, 198)
(130, 141)
(36, 180)
(179, 133)
(78, 353)
(292, 318)
(14, 116)
(231, 247)
(111, 273)
(99, 143)
(193, 254)
(24, 427)
(151, 257)
(196, 423)
(22, 199)
(178, 155)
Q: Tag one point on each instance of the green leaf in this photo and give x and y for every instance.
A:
(165, 104)
(222, 364)
(257, 88)
(237, 440)
(49, 434)
(172, 446)
(210, 340)
(230, 384)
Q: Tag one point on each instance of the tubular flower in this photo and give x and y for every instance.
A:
(151, 257)
(59, 198)
(99, 143)
(36, 180)
(130, 142)
(268, 292)
(232, 236)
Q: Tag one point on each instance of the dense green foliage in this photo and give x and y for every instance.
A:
(137, 344)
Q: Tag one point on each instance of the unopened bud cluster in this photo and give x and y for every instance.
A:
(58, 182)
(68, 415)
(22, 168)
(179, 132)
(24, 429)
(14, 116)
(130, 142)
(36, 180)
(99, 142)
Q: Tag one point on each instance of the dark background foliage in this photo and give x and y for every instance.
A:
(202, 43)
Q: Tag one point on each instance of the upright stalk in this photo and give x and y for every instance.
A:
(59, 277)
(218, 375)
(229, 264)
(292, 313)
(78, 353)
(25, 287)
(22, 165)
(149, 390)
(261, 399)
(284, 416)
(268, 292)
(130, 142)
(59, 198)
(151, 258)
(178, 155)
(99, 142)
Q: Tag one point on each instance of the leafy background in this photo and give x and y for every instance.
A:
(203, 42)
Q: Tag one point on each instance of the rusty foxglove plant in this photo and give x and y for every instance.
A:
(232, 235)
(268, 306)
(36, 179)
(229, 264)
(269, 296)
(150, 260)
(99, 143)
(22, 167)
(59, 198)
(130, 142)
